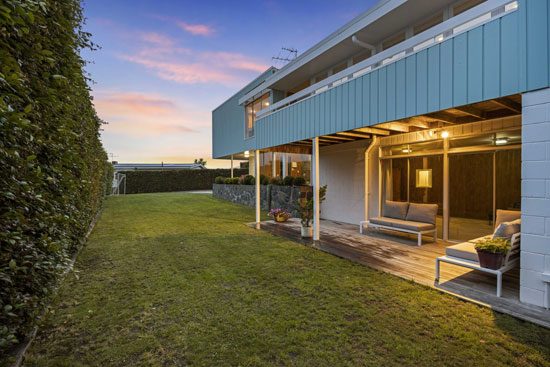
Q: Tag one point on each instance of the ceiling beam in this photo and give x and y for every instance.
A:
(508, 104)
(472, 111)
(371, 130)
(337, 137)
(356, 135)
(445, 117)
(395, 126)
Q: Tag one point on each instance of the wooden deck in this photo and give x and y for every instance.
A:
(397, 253)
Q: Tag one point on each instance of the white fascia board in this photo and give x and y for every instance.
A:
(369, 16)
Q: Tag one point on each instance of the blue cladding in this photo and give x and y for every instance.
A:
(506, 56)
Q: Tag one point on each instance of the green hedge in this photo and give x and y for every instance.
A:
(54, 171)
(139, 182)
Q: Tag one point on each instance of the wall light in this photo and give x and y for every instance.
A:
(424, 178)
(431, 133)
(445, 134)
(407, 150)
(501, 141)
(246, 153)
(439, 38)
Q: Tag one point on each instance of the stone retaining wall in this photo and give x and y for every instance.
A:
(271, 196)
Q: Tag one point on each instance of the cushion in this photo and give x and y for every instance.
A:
(425, 213)
(506, 216)
(464, 250)
(507, 229)
(412, 225)
(382, 221)
(395, 209)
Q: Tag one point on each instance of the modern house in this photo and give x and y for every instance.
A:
(421, 101)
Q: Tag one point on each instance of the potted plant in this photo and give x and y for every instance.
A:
(491, 252)
(305, 208)
(279, 215)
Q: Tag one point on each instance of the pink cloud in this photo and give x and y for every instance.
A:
(186, 73)
(196, 29)
(157, 39)
(142, 115)
(236, 61)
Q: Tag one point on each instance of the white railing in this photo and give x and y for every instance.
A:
(479, 15)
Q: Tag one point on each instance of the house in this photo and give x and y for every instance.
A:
(444, 102)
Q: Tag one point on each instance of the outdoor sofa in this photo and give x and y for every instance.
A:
(405, 217)
(464, 254)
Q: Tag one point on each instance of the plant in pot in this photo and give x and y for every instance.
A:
(491, 252)
(305, 208)
(279, 215)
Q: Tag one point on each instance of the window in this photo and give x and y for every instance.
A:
(298, 88)
(433, 21)
(464, 5)
(361, 56)
(340, 67)
(393, 41)
(323, 76)
(251, 110)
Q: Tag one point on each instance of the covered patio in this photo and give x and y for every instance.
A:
(397, 254)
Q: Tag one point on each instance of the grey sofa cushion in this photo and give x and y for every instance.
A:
(507, 229)
(425, 213)
(395, 209)
(464, 250)
(506, 216)
(382, 221)
(412, 225)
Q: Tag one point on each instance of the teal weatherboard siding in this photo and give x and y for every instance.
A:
(481, 64)
(228, 123)
(506, 56)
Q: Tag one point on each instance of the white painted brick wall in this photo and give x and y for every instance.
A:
(535, 191)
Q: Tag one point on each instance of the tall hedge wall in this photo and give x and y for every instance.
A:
(140, 182)
(54, 171)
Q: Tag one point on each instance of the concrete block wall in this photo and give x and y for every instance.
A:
(535, 192)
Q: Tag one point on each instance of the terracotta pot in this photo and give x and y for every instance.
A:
(280, 218)
(307, 232)
(490, 260)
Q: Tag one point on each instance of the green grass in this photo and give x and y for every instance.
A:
(180, 280)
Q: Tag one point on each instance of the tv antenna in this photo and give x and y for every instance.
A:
(286, 54)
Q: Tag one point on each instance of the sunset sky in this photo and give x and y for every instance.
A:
(165, 65)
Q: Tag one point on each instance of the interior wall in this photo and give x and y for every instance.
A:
(342, 169)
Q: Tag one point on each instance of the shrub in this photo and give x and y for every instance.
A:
(287, 181)
(248, 180)
(231, 181)
(54, 171)
(494, 245)
(241, 179)
(265, 181)
(262, 178)
(219, 180)
(275, 181)
(299, 181)
(142, 181)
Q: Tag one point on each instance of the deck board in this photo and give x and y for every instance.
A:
(398, 254)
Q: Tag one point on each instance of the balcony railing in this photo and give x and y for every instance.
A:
(479, 15)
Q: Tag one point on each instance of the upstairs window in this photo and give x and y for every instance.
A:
(251, 110)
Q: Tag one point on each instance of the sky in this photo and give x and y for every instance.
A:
(164, 65)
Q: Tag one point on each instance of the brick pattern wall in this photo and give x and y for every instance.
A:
(535, 192)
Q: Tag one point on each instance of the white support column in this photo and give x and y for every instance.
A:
(231, 165)
(445, 189)
(257, 181)
(316, 206)
(285, 166)
(273, 167)
(367, 194)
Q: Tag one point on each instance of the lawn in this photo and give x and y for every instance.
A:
(180, 280)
